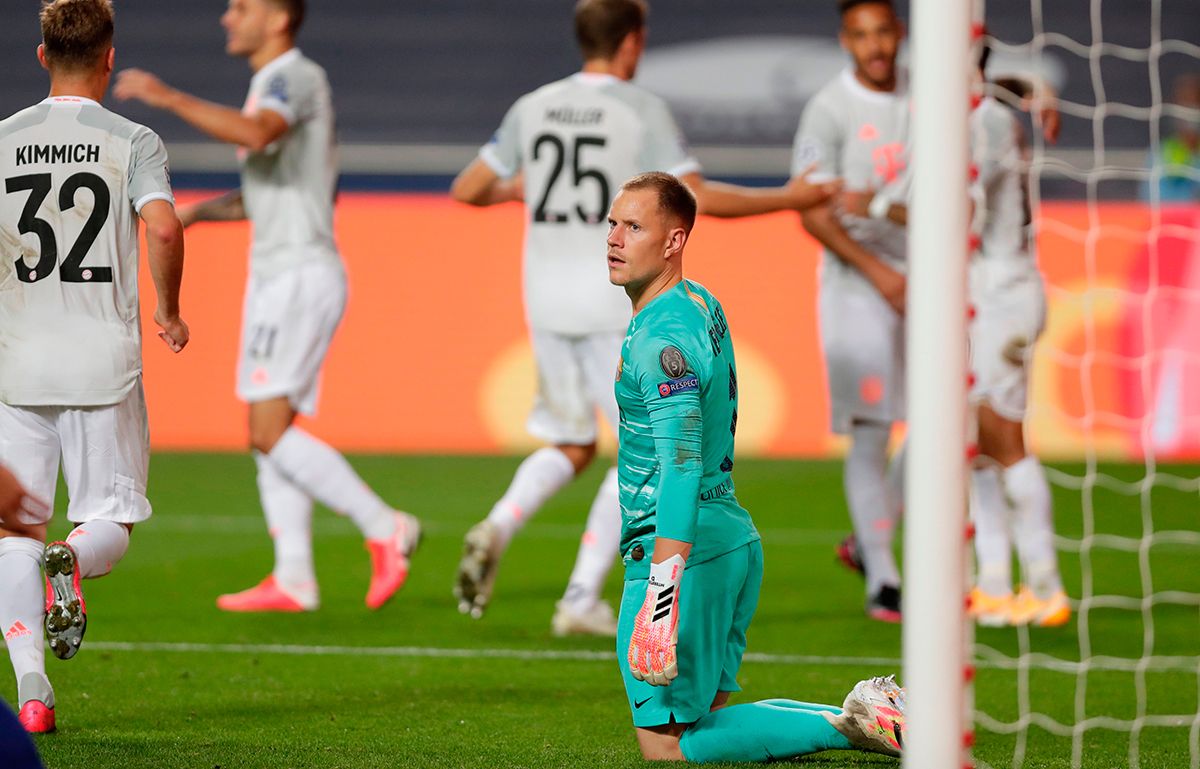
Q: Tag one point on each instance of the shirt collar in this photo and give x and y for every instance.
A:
(69, 100)
(881, 97)
(594, 78)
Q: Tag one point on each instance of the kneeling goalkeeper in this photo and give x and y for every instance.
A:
(693, 560)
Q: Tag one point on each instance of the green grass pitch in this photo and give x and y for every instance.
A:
(165, 680)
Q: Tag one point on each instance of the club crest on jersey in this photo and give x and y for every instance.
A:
(689, 382)
(672, 362)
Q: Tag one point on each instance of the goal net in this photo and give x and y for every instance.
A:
(1115, 399)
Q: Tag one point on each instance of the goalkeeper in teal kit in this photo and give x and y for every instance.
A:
(693, 560)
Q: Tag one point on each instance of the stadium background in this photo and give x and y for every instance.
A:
(433, 355)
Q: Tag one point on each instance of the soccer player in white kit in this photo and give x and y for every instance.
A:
(295, 297)
(1010, 495)
(1011, 501)
(564, 149)
(76, 180)
(856, 129)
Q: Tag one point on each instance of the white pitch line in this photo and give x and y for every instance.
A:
(580, 655)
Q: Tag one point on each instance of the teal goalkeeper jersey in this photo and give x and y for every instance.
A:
(678, 394)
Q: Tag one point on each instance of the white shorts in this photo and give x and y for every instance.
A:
(104, 451)
(287, 324)
(575, 378)
(1010, 313)
(862, 339)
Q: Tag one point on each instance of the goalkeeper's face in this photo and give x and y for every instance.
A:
(643, 240)
(871, 34)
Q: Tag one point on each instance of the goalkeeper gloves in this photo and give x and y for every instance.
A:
(656, 628)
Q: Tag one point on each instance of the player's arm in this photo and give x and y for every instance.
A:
(818, 144)
(479, 185)
(164, 246)
(254, 132)
(731, 201)
(822, 223)
(676, 422)
(226, 208)
(873, 205)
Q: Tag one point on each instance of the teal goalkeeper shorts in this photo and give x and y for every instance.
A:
(717, 600)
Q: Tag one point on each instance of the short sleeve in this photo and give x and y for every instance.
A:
(149, 176)
(818, 143)
(503, 152)
(665, 148)
(290, 92)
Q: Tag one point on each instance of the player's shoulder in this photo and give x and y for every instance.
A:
(598, 87)
(992, 112)
(832, 96)
(305, 66)
(289, 69)
(682, 315)
(24, 119)
(996, 120)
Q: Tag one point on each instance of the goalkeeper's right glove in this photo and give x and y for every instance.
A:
(656, 628)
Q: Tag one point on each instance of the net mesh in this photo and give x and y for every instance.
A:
(1117, 389)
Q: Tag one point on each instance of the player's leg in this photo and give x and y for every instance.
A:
(289, 322)
(869, 500)
(29, 448)
(1042, 600)
(757, 731)
(991, 599)
(106, 462)
(1008, 321)
(581, 609)
(862, 341)
(563, 416)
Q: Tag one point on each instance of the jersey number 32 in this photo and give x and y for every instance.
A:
(72, 270)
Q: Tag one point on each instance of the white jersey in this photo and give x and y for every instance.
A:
(75, 178)
(576, 141)
(1000, 190)
(288, 188)
(860, 136)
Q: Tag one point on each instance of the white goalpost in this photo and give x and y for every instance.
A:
(934, 633)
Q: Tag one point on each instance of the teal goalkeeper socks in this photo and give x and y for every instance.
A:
(762, 731)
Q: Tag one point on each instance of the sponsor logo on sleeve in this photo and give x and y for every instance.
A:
(689, 382)
(277, 88)
(808, 152)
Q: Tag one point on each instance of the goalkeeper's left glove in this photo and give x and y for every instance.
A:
(656, 628)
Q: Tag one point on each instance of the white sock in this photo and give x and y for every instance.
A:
(325, 475)
(870, 508)
(598, 549)
(98, 545)
(1033, 525)
(288, 511)
(22, 604)
(540, 476)
(993, 544)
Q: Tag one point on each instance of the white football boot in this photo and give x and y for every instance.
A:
(872, 716)
(600, 620)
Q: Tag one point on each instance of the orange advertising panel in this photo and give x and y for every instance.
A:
(433, 356)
